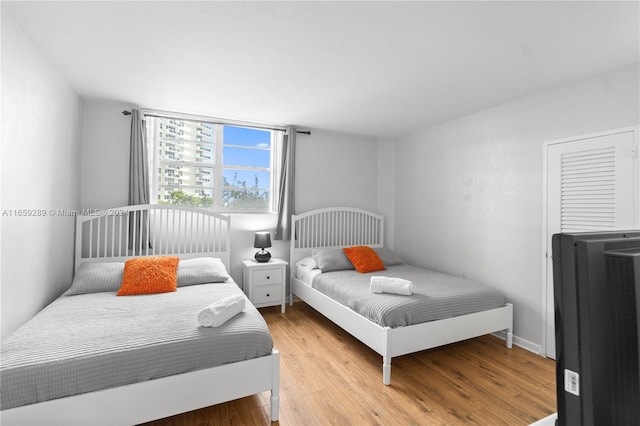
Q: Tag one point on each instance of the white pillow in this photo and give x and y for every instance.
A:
(332, 259)
(96, 277)
(201, 270)
(388, 256)
(306, 264)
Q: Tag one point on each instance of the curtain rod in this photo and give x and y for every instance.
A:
(304, 132)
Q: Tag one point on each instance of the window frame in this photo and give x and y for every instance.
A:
(217, 166)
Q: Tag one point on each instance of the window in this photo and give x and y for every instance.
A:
(203, 164)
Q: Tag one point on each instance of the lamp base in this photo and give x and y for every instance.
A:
(263, 256)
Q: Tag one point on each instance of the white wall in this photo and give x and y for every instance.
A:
(387, 189)
(332, 169)
(468, 193)
(105, 155)
(41, 124)
(335, 169)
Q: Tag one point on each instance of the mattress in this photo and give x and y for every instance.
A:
(95, 341)
(435, 296)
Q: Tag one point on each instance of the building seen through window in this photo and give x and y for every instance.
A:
(219, 166)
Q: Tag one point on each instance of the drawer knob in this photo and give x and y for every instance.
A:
(267, 294)
(268, 277)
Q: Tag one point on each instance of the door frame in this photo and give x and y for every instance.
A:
(545, 255)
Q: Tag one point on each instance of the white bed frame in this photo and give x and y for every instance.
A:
(171, 230)
(342, 227)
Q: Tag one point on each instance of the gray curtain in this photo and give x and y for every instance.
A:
(287, 185)
(138, 182)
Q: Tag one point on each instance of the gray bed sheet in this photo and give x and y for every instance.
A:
(95, 341)
(435, 296)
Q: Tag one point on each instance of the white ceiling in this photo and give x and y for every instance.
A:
(378, 69)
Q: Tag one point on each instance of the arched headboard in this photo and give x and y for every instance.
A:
(334, 227)
(117, 234)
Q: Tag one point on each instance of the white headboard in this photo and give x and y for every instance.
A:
(117, 234)
(334, 227)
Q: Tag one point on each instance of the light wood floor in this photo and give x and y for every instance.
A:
(329, 378)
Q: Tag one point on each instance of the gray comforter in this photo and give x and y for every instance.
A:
(435, 295)
(88, 342)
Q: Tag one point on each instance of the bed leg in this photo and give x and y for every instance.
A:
(275, 406)
(386, 357)
(386, 371)
(510, 329)
(275, 387)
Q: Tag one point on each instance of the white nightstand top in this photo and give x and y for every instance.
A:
(250, 263)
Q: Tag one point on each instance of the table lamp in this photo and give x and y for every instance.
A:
(262, 241)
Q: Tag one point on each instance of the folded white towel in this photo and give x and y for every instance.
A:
(221, 311)
(391, 285)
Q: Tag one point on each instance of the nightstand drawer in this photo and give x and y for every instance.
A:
(267, 276)
(267, 294)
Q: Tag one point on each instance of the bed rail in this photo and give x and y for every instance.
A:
(120, 233)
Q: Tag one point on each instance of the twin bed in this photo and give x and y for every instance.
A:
(93, 358)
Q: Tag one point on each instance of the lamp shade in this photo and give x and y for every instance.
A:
(262, 240)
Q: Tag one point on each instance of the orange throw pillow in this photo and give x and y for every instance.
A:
(364, 259)
(147, 275)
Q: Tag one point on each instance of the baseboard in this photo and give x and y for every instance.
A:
(520, 342)
(527, 345)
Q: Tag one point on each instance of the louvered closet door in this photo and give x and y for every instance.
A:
(592, 185)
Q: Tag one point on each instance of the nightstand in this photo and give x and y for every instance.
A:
(264, 283)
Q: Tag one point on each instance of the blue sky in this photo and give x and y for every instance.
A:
(242, 136)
